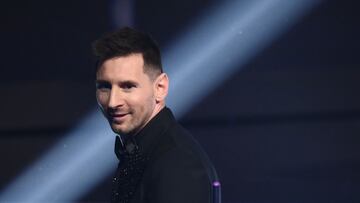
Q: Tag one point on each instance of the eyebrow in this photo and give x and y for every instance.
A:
(129, 82)
(120, 82)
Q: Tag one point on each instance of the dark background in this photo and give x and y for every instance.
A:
(283, 129)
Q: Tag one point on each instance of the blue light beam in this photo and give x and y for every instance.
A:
(70, 169)
(222, 42)
(210, 51)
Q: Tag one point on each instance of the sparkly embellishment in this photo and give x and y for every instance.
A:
(128, 175)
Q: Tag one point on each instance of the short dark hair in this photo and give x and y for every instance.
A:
(127, 41)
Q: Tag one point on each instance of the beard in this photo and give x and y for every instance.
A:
(132, 122)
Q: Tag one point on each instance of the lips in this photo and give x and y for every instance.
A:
(118, 118)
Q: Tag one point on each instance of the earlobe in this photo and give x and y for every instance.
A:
(162, 86)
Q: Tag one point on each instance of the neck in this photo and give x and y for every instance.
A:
(158, 107)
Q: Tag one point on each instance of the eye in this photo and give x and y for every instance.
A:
(103, 86)
(128, 85)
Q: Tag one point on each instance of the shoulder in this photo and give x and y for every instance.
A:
(178, 155)
(178, 170)
(178, 147)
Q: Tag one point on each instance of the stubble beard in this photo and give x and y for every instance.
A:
(132, 125)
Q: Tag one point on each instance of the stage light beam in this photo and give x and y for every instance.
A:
(208, 52)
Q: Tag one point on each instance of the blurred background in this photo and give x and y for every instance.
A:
(268, 87)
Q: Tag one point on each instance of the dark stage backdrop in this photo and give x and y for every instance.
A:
(283, 129)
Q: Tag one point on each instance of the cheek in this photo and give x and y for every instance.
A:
(102, 98)
(143, 99)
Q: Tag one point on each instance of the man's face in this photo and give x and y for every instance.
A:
(125, 93)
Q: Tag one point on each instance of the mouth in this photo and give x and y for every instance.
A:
(118, 118)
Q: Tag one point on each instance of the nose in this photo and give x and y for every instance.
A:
(116, 99)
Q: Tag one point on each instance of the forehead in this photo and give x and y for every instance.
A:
(122, 68)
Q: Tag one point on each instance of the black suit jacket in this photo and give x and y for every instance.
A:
(176, 169)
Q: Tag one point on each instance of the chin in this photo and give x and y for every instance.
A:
(122, 131)
(118, 130)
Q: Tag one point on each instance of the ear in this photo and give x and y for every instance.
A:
(161, 87)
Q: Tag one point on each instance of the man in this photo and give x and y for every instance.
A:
(159, 161)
